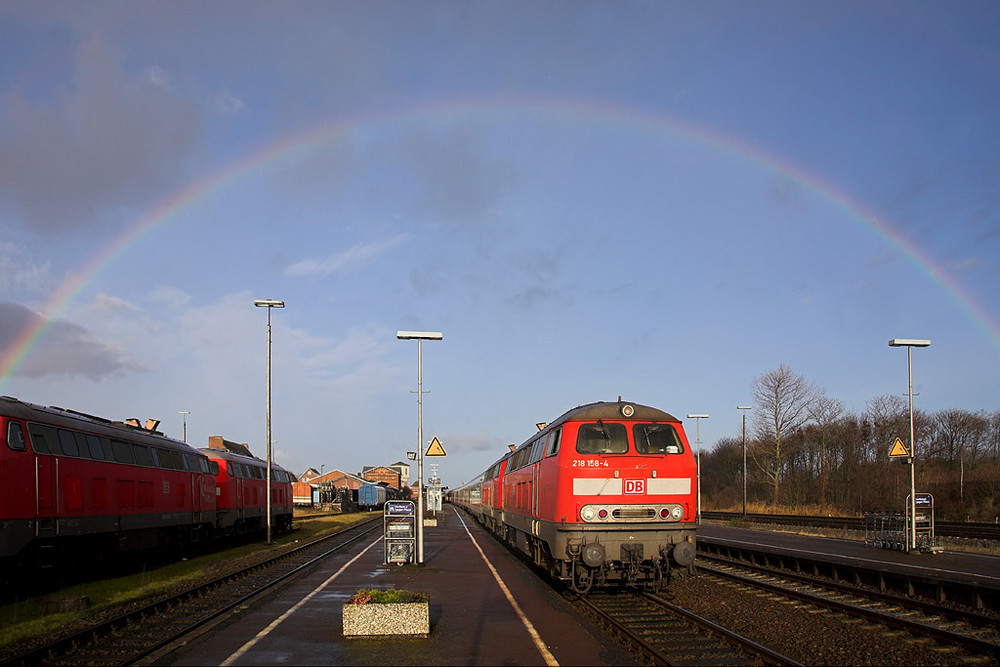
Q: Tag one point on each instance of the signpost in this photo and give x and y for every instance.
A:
(898, 450)
(400, 532)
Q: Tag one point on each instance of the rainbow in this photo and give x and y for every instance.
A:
(643, 120)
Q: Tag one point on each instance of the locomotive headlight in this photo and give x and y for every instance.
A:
(593, 555)
(677, 513)
(588, 513)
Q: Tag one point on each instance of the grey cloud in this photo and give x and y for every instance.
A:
(462, 182)
(65, 349)
(115, 140)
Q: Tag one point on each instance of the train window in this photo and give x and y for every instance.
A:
(601, 438)
(256, 472)
(554, 442)
(142, 455)
(656, 439)
(163, 456)
(15, 437)
(191, 463)
(67, 442)
(43, 439)
(122, 451)
(96, 447)
(213, 467)
(175, 457)
(538, 448)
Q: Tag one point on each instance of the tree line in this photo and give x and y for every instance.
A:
(805, 450)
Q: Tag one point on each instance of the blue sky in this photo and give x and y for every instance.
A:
(658, 200)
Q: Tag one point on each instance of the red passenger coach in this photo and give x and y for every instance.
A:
(605, 494)
(75, 485)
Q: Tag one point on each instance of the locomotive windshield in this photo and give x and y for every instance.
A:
(656, 439)
(601, 438)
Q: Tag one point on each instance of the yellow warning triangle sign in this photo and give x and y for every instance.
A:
(898, 450)
(435, 449)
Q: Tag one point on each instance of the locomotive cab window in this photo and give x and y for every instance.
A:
(656, 439)
(554, 443)
(601, 438)
(43, 439)
(15, 437)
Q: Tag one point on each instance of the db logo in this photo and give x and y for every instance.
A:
(635, 486)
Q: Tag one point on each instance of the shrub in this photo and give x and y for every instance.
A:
(391, 596)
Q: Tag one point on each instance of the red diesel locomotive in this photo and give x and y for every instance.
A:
(78, 486)
(604, 495)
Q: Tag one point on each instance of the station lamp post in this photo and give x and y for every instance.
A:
(184, 414)
(909, 344)
(269, 304)
(420, 337)
(744, 408)
(698, 419)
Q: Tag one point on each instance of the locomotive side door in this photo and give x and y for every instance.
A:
(45, 474)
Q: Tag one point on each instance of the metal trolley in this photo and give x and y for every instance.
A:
(891, 530)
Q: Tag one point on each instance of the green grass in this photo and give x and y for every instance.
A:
(23, 620)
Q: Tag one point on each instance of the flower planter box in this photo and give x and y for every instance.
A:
(405, 619)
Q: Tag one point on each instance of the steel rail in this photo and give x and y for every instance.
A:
(747, 646)
(979, 646)
(62, 645)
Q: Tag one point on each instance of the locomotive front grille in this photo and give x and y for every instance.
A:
(633, 513)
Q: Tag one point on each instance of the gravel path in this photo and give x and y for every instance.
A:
(809, 636)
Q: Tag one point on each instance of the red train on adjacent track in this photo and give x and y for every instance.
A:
(606, 494)
(79, 487)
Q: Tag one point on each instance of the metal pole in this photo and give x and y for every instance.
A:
(913, 454)
(269, 304)
(420, 336)
(420, 454)
(698, 438)
(744, 463)
(698, 419)
(744, 408)
(268, 426)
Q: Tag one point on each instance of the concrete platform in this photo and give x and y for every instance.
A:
(967, 568)
(472, 620)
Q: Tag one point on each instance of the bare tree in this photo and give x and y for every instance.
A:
(782, 398)
(825, 411)
(960, 435)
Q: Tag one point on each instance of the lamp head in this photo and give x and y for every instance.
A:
(268, 303)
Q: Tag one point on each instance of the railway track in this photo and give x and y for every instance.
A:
(669, 635)
(966, 530)
(129, 638)
(976, 634)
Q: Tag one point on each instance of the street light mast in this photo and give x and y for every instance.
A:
(269, 304)
(909, 344)
(420, 337)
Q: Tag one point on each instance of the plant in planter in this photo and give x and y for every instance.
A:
(375, 613)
